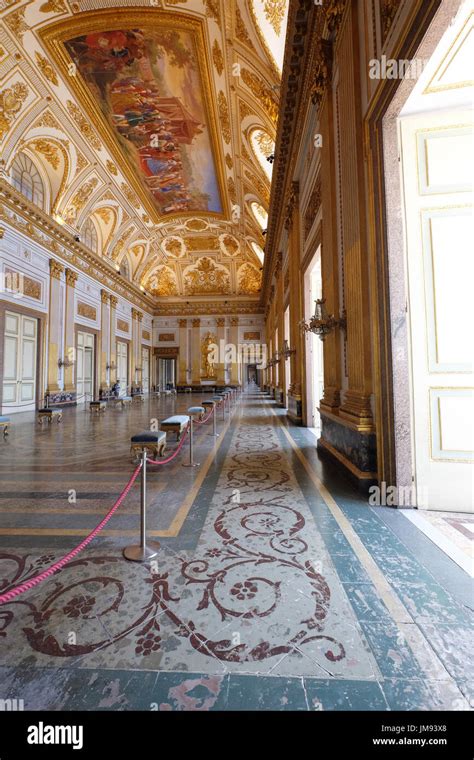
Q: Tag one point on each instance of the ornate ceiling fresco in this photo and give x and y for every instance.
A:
(152, 122)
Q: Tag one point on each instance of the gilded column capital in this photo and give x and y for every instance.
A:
(113, 302)
(2, 232)
(55, 269)
(220, 321)
(71, 278)
(234, 321)
(104, 297)
(196, 323)
(139, 316)
(182, 322)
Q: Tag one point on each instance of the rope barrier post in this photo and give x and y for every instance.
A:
(214, 422)
(191, 462)
(144, 551)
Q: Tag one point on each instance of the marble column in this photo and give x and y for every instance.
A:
(234, 340)
(196, 352)
(104, 339)
(54, 331)
(280, 326)
(221, 342)
(69, 335)
(183, 352)
(138, 348)
(113, 339)
(292, 224)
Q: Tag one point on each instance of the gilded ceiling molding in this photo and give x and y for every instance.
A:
(16, 22)
(217, 57)
(48, 150)
(46, 68)
(206, 278)
(263, 42)
(388, 11)
(110, 166)
(47, 120)
(213, 10)
(322, 73)
(223, 108)
(241, 32)
(275, 13)
(334, 13)
(249, 279)
(53, 6)
(80, 199)
(211, 308)
(28, 219)
(305, 25)
(84, 125)
(11, 103)
(262, 93)
(258, 185)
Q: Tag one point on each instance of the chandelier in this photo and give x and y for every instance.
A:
(322, 323)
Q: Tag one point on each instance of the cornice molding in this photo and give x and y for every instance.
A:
(311, 34)
(28, 219)
(207, 308)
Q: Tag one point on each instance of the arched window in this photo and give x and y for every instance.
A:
(26, 178)
(89, 235)
(125, 269)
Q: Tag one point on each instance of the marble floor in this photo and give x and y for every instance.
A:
(276, 586)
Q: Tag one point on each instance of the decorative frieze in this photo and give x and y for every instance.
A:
(87, 311)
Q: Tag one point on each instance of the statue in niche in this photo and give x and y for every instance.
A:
(207, 354)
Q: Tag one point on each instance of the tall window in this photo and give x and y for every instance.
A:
(89, 235)
(125, 269)
(26, 178)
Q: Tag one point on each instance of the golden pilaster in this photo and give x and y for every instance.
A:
(196, 352)
(69, 336)
(104, 339)
(221, 342)
(183, 352)
(113, 339)
(54, 331)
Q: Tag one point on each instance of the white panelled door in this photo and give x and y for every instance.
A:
(20, 347)
(85, 364)
(437, 160)
(122, 366)
(146, 370)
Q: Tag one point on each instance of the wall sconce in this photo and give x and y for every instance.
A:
(322, 323)
(112, 367)
(65, 363)
(287, 351)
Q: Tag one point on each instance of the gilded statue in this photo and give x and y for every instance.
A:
(207, 352)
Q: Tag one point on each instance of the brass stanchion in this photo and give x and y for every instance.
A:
(145, 550)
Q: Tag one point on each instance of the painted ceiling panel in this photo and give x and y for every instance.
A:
(148, 85)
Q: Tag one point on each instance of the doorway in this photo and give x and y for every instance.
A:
(432, 270)
(146, 370)
(122, 367)
(85, 365)
(314, 346)
(166, 373)
(20, 353)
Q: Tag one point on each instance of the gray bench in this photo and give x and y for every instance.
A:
(149, 441)
(49, 415)
(98, 406)
(176, 424)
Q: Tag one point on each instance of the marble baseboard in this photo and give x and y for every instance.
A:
(295, 409)
(354, 450)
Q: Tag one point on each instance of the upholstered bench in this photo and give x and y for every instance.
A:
(176, 424)
(124, 401)
(196, 411)
(149, 441)
(98, 406)
(140, 397)
(208, 405)
(4, 423)
(49, 415)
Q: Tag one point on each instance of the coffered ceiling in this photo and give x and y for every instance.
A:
(151, 122)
